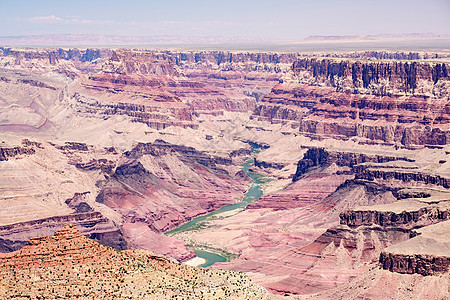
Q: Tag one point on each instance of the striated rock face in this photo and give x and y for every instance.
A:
(144, 100)
(92, 224)
(103, 164)
(142, 63)
(409, 219)
(426, 254)
(47, 251)
(222, 57)
(405, 176)
(415, 263)
(391, 102)
(150, 88)
(73, 146)
(53, 55)
(319, 157)
(252, 74)
(188, 154)
(378, 78)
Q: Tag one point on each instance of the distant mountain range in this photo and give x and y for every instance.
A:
(384, 36)
(77, 40)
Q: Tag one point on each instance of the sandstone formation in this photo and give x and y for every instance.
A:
(389, 102)
(69, 265)
(426, 254)
(92, 224)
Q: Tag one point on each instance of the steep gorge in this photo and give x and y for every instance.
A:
(127, 144)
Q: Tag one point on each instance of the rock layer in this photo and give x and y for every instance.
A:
(92, 224)
(392, 102)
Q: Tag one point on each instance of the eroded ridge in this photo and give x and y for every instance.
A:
(69, 265)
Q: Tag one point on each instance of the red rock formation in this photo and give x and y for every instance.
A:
(148, 87)
(367, 77)
(142, 195)
(319, 157)
(404, 175)
(70, 265)
(415, 263)
(405, 219)
(403, 103)
(92, 224)
(427, 253)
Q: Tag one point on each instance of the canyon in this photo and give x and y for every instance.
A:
(128, 144)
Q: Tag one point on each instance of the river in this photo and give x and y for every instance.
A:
(252, 195)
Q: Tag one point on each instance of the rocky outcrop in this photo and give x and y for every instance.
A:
(221, 57)
(313, 157)
(92, 224)
(140, 62)
(427, 253)
(85, 60)
(265, 164)
(378, 78)
(404, 175)
(67, 244)
(404, 219)
(319, 157)
(187, 154)
(391, 134)
(10, 152)
(414, 264)
(103, 164)
(70, 265)
(78, 203)
(74, 146)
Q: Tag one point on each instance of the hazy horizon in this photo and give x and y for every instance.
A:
(285, 20)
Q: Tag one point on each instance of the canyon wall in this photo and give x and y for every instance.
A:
(398, 103)
(91, 224)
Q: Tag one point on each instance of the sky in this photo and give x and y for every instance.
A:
(274, 20)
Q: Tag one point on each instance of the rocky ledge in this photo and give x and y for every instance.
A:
(426, 254)
(406, 214)
(10, 152)
(92, 224)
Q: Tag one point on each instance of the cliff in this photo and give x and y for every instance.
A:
(319, 157)
(404, 175)
(406, 219)
(384, 101)
(10, 152)
(92, 224)
(377, 78)
(140, 62)
(426, 254)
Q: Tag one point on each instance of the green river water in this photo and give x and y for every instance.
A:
(252, 195)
